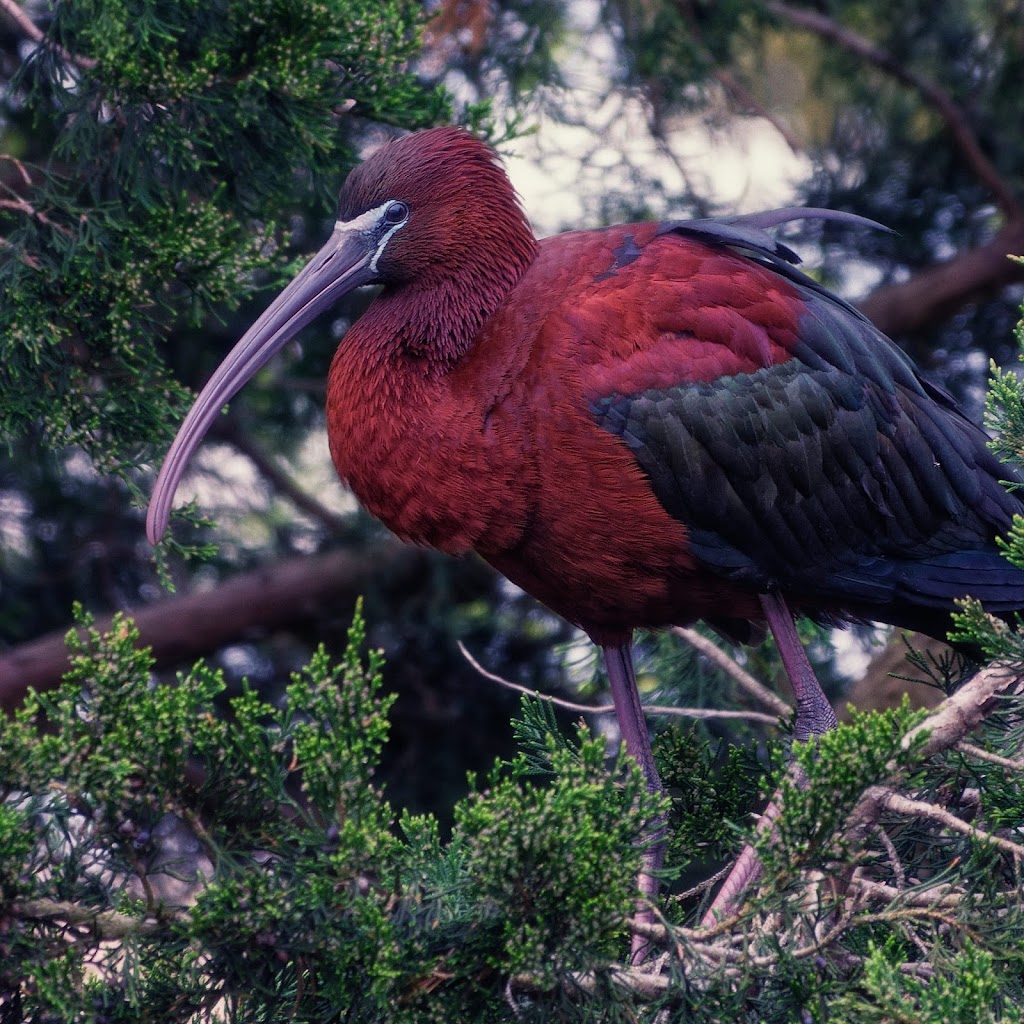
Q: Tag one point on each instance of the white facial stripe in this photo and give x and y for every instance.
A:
(365, 223)
(384, 241)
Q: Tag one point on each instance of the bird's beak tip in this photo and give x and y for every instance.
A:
(342, 265)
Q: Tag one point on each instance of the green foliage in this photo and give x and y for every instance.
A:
(251, 858)
(714, 789)
(531, 851)
(162, 861)
(170, 853)
(182, 136)
(827, 779)
(966, 991)
(1004, 415)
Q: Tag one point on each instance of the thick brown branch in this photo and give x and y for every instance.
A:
(181, 629)
(954, 118)
(935, 292)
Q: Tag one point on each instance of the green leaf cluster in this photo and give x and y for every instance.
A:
(162, 854)
(165, 855)
(164, 144)
(533, 850)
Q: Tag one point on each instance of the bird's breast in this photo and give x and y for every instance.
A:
(430, 460)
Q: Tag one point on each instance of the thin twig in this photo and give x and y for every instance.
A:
(899, 804)
(25, 207)
(702, 887)
(22, 170)
(603, 709)
(986, 755)
(735, 671)
(934, 896)
(638, 982)
(894, 858)
(37, 35)
(29, 261)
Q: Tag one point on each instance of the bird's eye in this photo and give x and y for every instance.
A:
(396, 213)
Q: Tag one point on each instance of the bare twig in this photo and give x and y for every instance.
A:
(735, 671)
(25, 207)
(107, 924)
(986, 755)
(936, 896)
(22, 170)
(603, 709)
(899, 804)
(29, 261)
(894, 858)
(638, 982)
(702, 887)
(36, 34)
(933, 94)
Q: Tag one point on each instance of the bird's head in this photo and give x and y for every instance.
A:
(435, 204)
(432, 215)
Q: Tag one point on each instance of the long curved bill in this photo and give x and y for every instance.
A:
(343, 264)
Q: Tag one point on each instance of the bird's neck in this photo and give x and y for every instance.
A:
(403, 434)
(435, 320)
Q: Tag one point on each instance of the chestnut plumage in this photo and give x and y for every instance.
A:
(640, 425)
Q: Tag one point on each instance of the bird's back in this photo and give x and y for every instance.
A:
(796, 447)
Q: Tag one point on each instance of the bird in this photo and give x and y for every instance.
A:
(640, 425)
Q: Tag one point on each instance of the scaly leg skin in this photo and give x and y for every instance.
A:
(814, 716)
(633, 727)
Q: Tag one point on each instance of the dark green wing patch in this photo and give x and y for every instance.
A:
(839, 476)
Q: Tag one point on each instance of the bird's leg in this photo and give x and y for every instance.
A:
(814, 715)
(633, 726)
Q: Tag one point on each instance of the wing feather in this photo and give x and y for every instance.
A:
(837, 474)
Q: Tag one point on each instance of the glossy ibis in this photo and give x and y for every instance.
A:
(640, 425)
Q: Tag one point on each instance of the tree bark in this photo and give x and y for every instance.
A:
(936, 292)
(181, 629)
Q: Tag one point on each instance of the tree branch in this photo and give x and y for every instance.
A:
(182, 629)
(735, 671)
(933, 94)
(604, 709)
(36, 34)
(905, 806)
(938, 291)
(107, 924)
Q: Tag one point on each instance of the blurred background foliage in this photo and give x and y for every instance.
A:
(164, 167)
